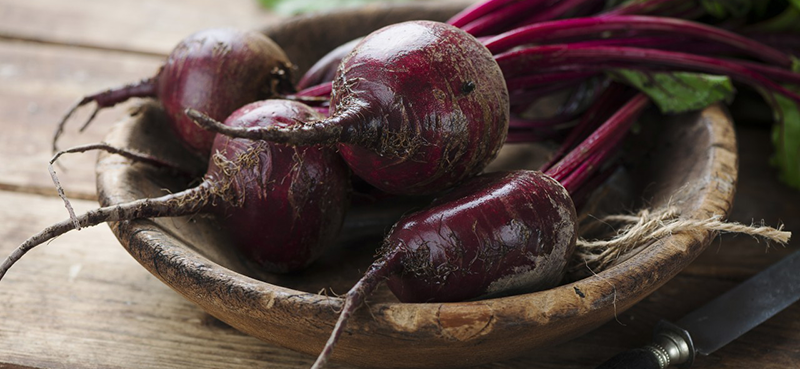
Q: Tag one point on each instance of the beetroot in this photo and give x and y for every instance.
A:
(281, 205)
(216, 70)
(296, 195)
(495, 234)
(416, 108)
(498, 233)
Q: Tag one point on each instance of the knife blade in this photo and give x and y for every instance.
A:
(719, 322)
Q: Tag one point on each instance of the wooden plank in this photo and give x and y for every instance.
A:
(145, 26)
(81, 301)
(38, 83)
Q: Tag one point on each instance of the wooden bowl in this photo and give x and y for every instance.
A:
(692, 163)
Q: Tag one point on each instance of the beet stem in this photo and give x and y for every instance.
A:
(588, 156)
(182, 203)
(642, 7)
(354, 298)
(610, 57)
(476, 11)
(556, 11)
(323, 89)
(595, 26)
(600, 110)
(108, 98)
(504, 17)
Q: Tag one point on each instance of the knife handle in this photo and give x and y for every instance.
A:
(671, 345)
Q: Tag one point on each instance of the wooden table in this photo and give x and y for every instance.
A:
(81, 301)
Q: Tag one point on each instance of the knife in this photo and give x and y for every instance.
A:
(719, 322)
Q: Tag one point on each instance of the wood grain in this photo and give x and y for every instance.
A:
(81, 301)
(38, 83)
(141, 26)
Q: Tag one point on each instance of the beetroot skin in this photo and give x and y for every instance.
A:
(431, 105)
(218, 71)
(281, 205)
(497, 234)
(286, 203)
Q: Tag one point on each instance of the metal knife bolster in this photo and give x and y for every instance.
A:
(671, 345)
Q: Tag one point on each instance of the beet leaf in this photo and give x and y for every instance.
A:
(786, 138)
(678, 92)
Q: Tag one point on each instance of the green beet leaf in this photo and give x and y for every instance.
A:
(678, 92)
(786, 138)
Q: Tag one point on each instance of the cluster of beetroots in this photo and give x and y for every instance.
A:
(414, 108)
(417, 108)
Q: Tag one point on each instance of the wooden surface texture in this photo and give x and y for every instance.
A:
(82, 302)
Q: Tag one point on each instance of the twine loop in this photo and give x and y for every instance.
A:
(642, 229)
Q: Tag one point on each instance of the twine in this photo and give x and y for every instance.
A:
(647, 226)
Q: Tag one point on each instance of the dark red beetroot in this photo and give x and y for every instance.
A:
(216, 71)
(280, 204)
(297, 195)
(495, 234)
(417, 107)
(498, 233)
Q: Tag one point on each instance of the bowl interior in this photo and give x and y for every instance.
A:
(687, 160)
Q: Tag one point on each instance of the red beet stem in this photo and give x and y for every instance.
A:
(519, 62)
(376, 273)
(644, 7)
(548, 32)
(539, 79)
(186, 202)
(321, 90)
(784, 41)
(777, 74)
(557, 11)
(105, 99)
(503, 17)
(582, 194)
(476, 11)
(602, 108)
(585, 159)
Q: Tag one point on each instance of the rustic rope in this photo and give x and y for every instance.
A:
(648, 226)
